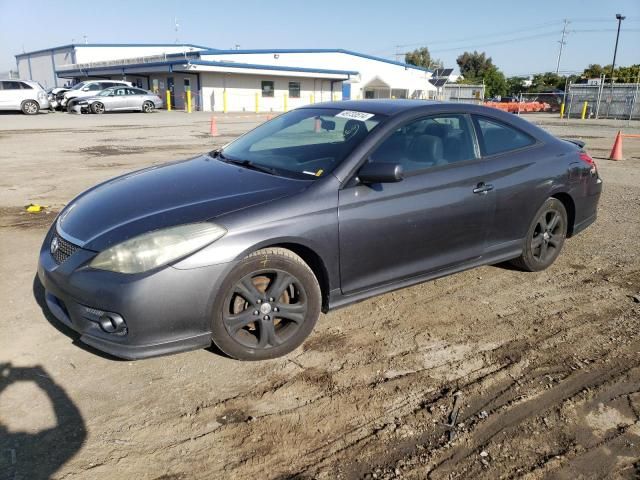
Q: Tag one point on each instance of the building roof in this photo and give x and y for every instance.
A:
(314, 50)
(170, 63)
(74, 45)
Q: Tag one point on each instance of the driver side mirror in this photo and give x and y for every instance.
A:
(380, 172)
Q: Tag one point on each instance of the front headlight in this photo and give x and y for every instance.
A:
(158, 248)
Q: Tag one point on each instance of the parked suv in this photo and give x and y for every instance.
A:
(88, 89)
(23, 95)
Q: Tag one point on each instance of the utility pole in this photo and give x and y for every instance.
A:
(562, 43)
(615, 50)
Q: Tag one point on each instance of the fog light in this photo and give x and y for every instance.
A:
(112, 323)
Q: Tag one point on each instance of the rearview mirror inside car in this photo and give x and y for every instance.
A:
(327, 124)
(380, 172)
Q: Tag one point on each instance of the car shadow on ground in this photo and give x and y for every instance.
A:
(31, 455)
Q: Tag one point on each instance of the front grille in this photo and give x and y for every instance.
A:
(65, 249)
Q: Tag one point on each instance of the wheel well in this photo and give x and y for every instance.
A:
(317, 266)
(570, 207)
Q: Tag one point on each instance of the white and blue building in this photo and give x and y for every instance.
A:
(231, 80)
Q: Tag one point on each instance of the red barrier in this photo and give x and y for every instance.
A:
(522, 107)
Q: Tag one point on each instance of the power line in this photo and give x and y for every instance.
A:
(465, 39)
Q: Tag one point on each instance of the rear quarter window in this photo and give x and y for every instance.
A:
(498, 137)
(26, 86)
(8, 85)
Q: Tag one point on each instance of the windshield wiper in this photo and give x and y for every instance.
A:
(243, 163)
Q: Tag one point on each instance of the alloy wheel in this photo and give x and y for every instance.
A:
(547, 235)
(265, 309)
(30, 108)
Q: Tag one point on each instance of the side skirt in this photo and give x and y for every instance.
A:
(338, 300)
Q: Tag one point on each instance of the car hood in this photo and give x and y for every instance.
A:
(183, 192)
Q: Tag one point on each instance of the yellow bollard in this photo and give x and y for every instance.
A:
(224, 101)
(562, 110)
(168, 100)
(188, 101)
(311, 98)
(285, 102)
(584, 110)
(257, 103)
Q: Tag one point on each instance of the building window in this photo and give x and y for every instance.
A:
(398, 93)
(294, 89)
(267, 88)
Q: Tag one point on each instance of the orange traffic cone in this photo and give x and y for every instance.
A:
(317, 125)
(214, 127)
(616, 151)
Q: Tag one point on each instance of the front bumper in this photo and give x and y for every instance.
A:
(166, 311)
(76, 108)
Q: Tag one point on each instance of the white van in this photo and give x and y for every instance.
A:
(23, 95)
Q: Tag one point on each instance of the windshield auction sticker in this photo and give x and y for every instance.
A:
(352, 114)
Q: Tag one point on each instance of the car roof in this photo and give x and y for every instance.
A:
(381, 106)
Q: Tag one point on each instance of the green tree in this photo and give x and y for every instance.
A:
(473, 66)
(549, 81)
(594, 71)
(515, 85)
(421, 57)
(494, 82)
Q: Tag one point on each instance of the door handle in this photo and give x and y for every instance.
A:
(483, 188)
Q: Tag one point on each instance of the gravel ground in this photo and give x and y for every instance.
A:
(542, 368)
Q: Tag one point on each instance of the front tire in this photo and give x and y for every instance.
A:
(545, 237)
(147, 107)
(30, 107)
(267, 306)
(97, 108)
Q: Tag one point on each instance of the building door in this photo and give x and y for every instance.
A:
(170, 88)
(346, 91)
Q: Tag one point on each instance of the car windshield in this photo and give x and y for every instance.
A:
(304, 143)
(78, 86)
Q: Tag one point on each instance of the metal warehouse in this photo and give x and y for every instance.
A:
(231, 80)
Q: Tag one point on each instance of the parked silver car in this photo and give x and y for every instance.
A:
(119, 99)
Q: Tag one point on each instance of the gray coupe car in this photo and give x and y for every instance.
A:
(120, 98)
(319, 208)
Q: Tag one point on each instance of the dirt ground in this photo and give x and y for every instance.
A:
(544, 367)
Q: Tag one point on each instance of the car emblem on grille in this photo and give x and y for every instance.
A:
(54, 246)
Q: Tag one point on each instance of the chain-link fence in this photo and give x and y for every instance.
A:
(617, 101)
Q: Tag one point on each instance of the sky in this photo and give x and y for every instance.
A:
(521, 37)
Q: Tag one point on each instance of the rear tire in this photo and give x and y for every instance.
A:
(266, 306)
(30, 107)
(545, 237)
(147, 107)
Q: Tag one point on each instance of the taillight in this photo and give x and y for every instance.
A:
(589, 161)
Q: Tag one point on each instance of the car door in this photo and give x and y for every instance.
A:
(119, 99)
(435, 218)
(4, 97)
(511, 160)
(134, 99)
(11, 95)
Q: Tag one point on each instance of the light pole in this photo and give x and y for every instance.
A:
(615, 50)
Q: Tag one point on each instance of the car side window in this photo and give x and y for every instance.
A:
(11, 85)
(95, 86)
(496, 137)
(26, 86)
(428, 142)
